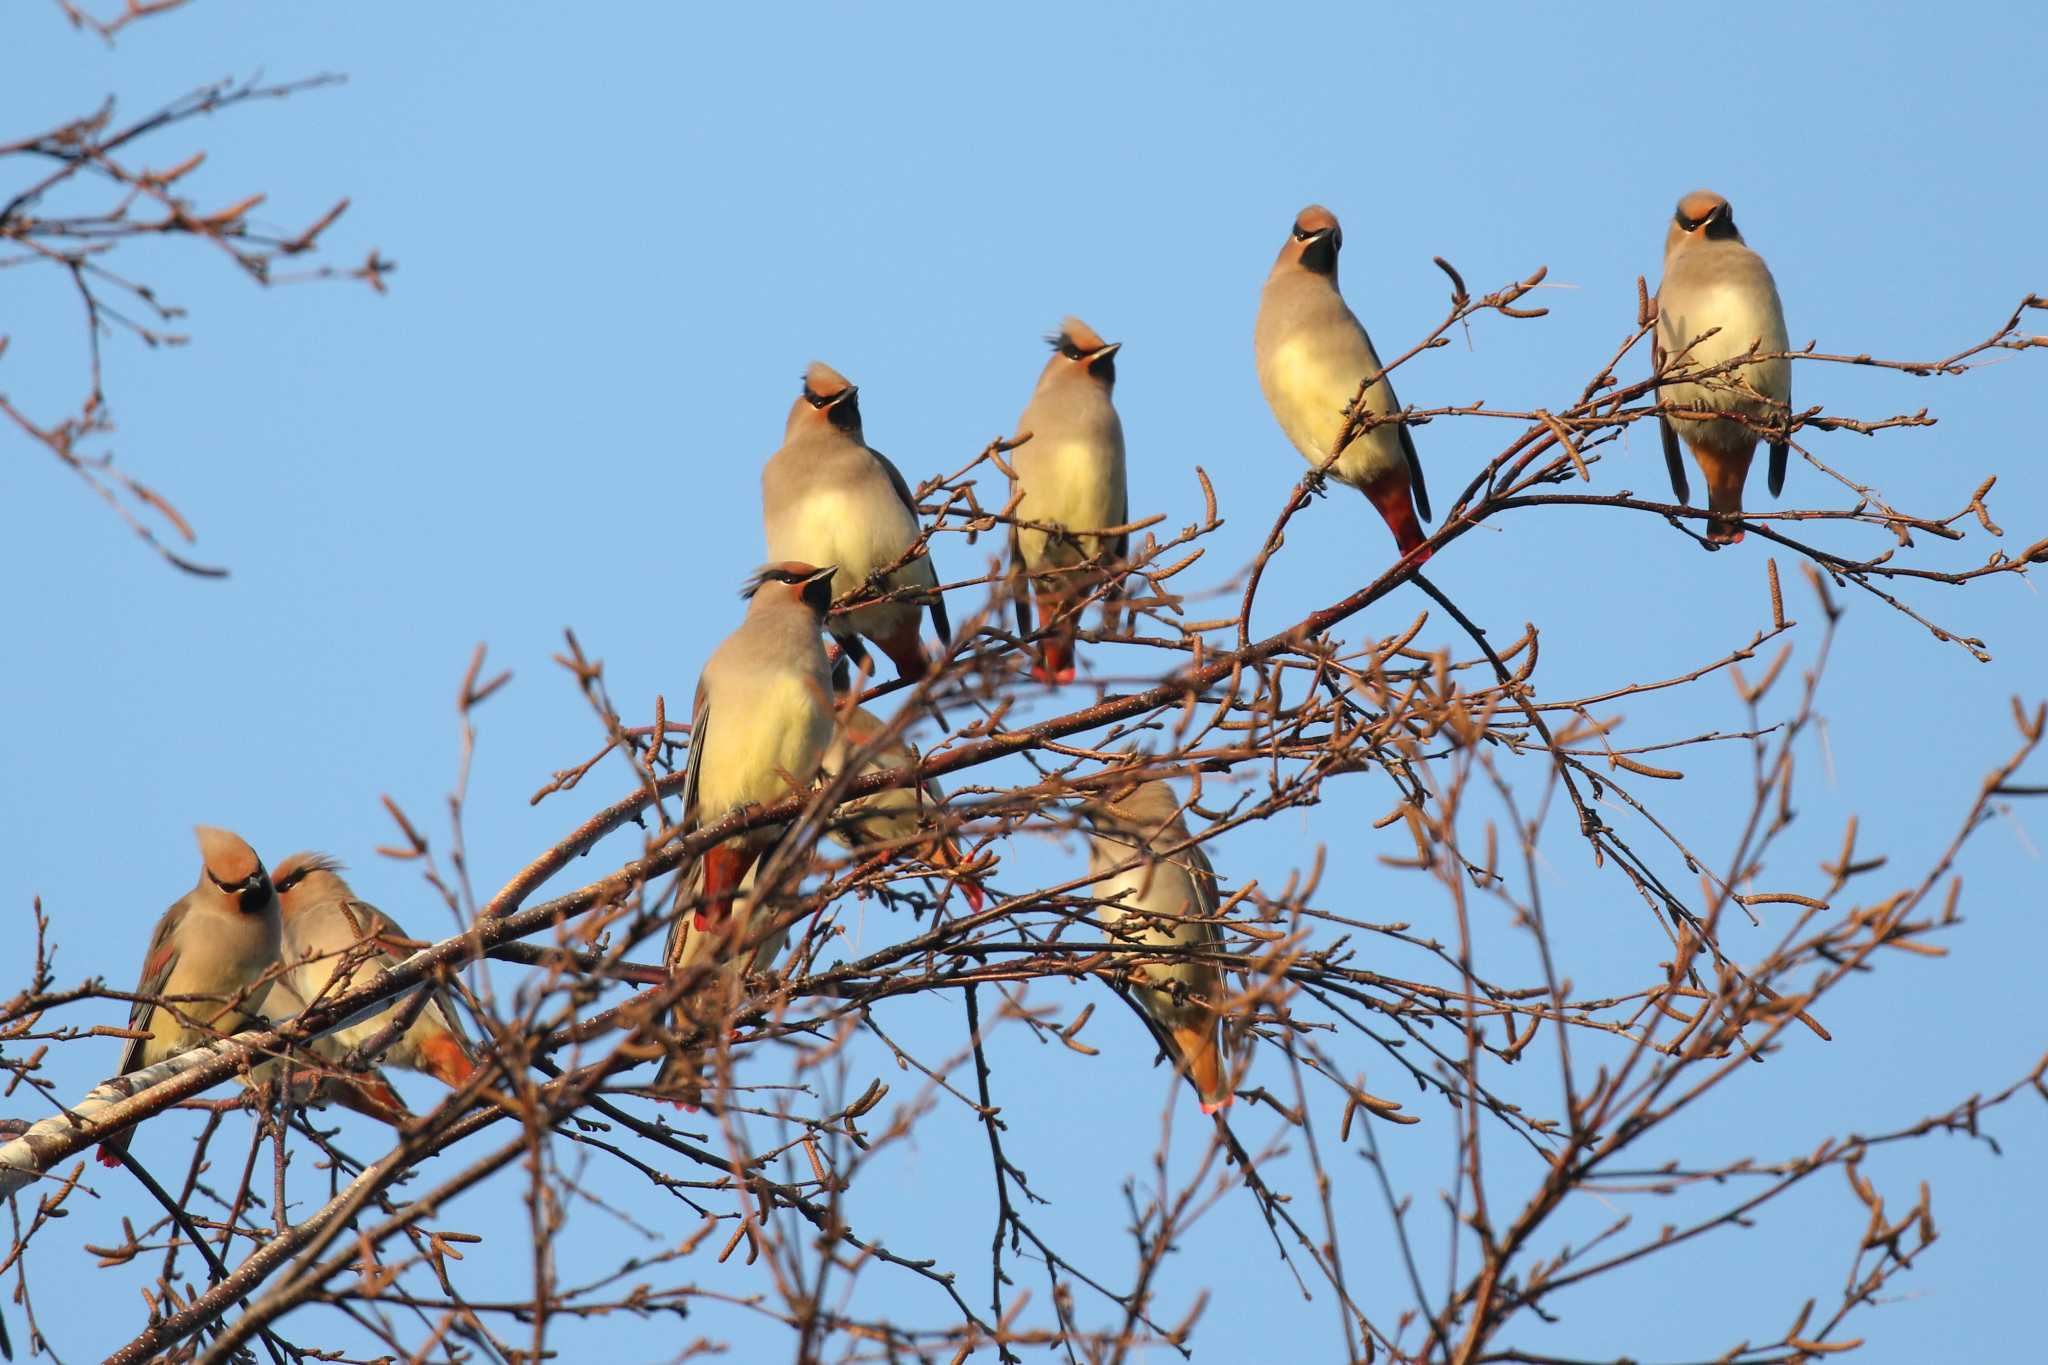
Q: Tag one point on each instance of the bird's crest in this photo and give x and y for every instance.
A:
(1315, 218)
(228, 858)
(1077, 335)
(1699, 206)
(299, 866)
(822, 381)
(789, 572)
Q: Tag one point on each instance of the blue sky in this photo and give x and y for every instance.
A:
(622, 234)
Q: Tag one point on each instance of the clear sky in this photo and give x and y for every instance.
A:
(622, 231)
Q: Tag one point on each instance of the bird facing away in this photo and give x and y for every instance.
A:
(335, 943)
(1312, 356)
(1161, 892)
(895, 818)
(1069, 476)
(826, 498)
(216, 944)
(1713, 280)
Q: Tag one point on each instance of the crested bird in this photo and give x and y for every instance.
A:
(215, 945)
(1312, 356)
(759, 730)
(1156, 888)
(1714, 283)
(828, 498)
(335, 942)
(1069, 482)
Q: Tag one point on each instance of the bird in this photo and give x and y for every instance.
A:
(895, 816)
(1068, 475)
(215, 945)
(1312, 356)
(759, 729)
(1155, 887)
(827, 498)
(326, 926)
(1713, 280)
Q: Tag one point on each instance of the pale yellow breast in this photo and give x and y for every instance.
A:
(762, 742)
(1309, 388)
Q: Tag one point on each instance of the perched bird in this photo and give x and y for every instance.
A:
(1158, 889)
(759, 731)
(215, 944)
(1312, 356)
(894, 816)
(326, 928)
(828, 499)
(1068, 476)
(1712, 280)
(709, 1003)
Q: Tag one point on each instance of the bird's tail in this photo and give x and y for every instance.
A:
(1397, 504)
(443, 1057)
(1056, 650)
(369, 1094)
(1726, 474)
(724, 868)
(948, 856)
(906, 651)
(1201, 1054)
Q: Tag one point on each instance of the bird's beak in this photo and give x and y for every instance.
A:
(816, 591)
(250, 894)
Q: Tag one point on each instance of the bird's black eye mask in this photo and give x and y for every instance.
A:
(251, 894)
(1319, 249)
(842, 409)
(1719, 223)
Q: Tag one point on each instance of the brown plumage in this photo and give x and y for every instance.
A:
(759, 731)
(217, 943)
(895, 816)
(1156, 888)
(1712, 280)
(335, 942)
(1069, 477)
(829, 498)
(1312, 355)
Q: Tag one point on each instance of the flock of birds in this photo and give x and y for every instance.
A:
(842, 526)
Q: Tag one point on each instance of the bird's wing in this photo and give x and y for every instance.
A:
(1674, 459)
(700, 725)
(940, 625)
(157, 967)
(395, 945)
(1415, 482)
(1202, 874)
(896, 480)
(1020, 588)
